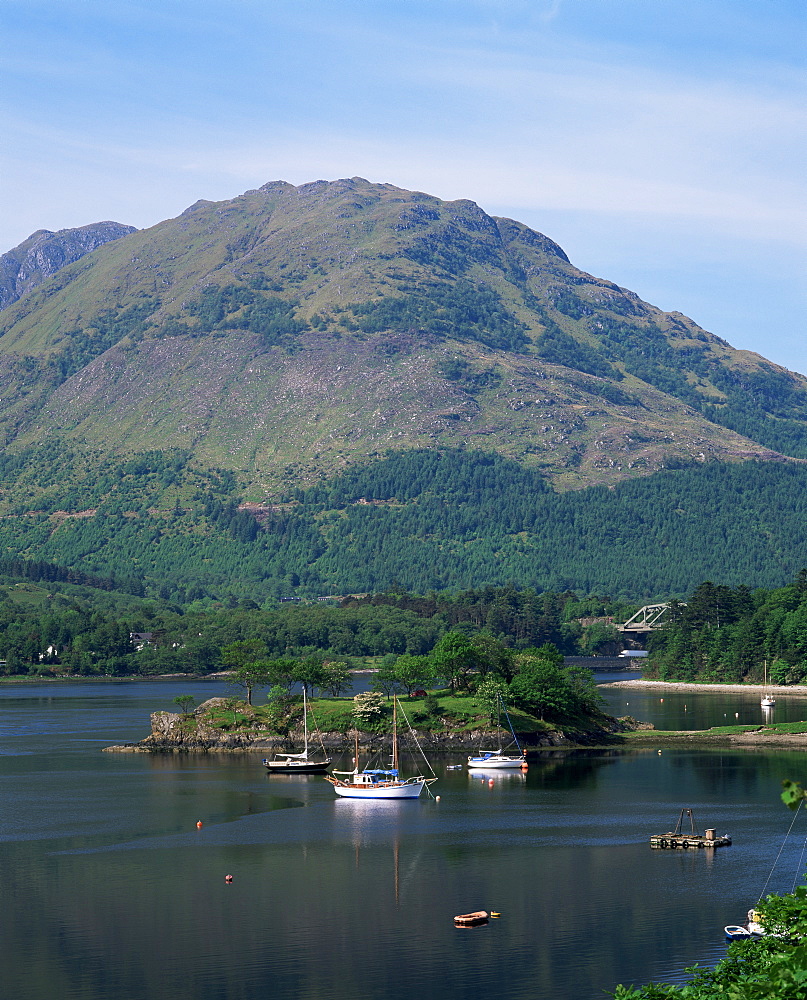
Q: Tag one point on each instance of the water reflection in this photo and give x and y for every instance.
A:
(492, 776)
(111, 892)
(712, 706)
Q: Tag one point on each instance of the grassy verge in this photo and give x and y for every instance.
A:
(649, 735)
(443, 712)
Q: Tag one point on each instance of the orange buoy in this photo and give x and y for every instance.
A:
(490, 781)
(198, 824)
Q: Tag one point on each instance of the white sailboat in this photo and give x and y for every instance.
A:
(378, 783)
(499, 759)
(298, 763)
(768, 700)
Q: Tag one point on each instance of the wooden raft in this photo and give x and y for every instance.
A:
(679, 839)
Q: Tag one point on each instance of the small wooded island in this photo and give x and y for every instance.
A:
(440, 721)
(551, 703)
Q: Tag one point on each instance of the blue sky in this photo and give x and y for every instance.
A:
(661, 142)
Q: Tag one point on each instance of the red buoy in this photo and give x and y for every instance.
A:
(198, 824)
(228, 878)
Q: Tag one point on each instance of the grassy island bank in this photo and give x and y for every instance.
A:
(442, 721)
(792, 735)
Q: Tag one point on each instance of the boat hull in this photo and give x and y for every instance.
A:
(497, 762)
(406, 790)
(297, 767)
(736, 932)
(471, 919)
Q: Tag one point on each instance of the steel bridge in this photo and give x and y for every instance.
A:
(649, 618)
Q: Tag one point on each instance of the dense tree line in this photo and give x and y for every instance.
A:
(67, 629)
(725, 634)
(534, 680)
(721, 633)
(30, 569)
(522, 617)
(423, 520)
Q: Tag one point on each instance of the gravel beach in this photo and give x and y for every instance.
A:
(792, 691)
(757, 738)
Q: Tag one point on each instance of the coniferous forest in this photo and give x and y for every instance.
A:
(157, 525)
(729, 635)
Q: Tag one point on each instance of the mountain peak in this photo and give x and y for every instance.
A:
(44, 253)
(295, 330)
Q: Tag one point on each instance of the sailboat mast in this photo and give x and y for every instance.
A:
(394, 733)
(305, 722)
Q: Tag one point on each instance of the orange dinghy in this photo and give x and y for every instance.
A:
(472, 919)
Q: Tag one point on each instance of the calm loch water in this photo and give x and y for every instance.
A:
(110, 891)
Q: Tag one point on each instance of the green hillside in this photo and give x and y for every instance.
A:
(293, 331)
(344, 386)
(420, 519)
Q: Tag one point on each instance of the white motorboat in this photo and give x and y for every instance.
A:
(736, 932)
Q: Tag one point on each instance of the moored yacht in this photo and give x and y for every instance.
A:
(499, 759)
(299, 763)
(379, 783)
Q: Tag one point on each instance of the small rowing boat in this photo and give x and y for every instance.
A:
(472, 919)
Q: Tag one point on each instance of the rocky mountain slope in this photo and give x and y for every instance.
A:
(294, 331)
(44, 253)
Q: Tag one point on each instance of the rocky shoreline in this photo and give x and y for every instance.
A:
(169, 736)
(755, 739)
(176, 733)
(171, 733)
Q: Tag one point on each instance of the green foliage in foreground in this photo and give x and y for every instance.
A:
(774, 966)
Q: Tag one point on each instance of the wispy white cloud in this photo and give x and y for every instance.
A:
(625, 120)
